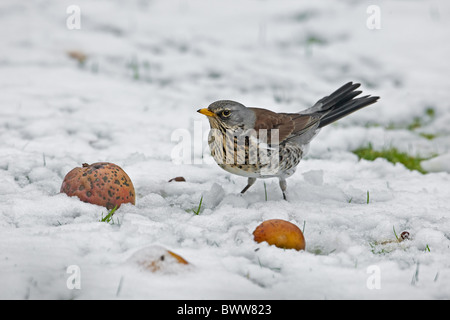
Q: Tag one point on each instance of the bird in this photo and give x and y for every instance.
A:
(259, 143)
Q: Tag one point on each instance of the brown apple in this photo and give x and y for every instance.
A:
(101, 183)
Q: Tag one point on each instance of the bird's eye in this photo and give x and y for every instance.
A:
(226, 113)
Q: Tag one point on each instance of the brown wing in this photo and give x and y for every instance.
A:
(288, 124)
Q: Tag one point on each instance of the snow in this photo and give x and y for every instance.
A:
(150, 65)
(437, 164)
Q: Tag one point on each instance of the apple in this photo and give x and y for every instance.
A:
(280, 233)
(101, 183)
(155, 258)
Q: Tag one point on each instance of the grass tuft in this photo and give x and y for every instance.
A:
(428, 136)
(392, 155)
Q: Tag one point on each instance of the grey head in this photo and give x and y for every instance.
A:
(229, 114)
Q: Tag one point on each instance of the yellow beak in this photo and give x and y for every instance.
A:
(206, 112)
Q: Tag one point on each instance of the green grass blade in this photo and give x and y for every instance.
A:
(265, 191)
(199, 206)
(108, 217)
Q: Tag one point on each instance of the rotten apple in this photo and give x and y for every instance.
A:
(101, 183)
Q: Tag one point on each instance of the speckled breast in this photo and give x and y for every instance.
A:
(247, 156)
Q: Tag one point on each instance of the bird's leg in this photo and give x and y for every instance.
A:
(250, 182)
(283, 187)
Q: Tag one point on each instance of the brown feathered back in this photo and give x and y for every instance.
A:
(289, 124)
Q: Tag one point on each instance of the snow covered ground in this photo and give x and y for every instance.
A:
(150, 65)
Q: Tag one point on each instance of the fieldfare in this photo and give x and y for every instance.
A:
(259, 143)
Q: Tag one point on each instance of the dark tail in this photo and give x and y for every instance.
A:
(341, 103)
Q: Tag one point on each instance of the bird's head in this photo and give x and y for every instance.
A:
(227, 114)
